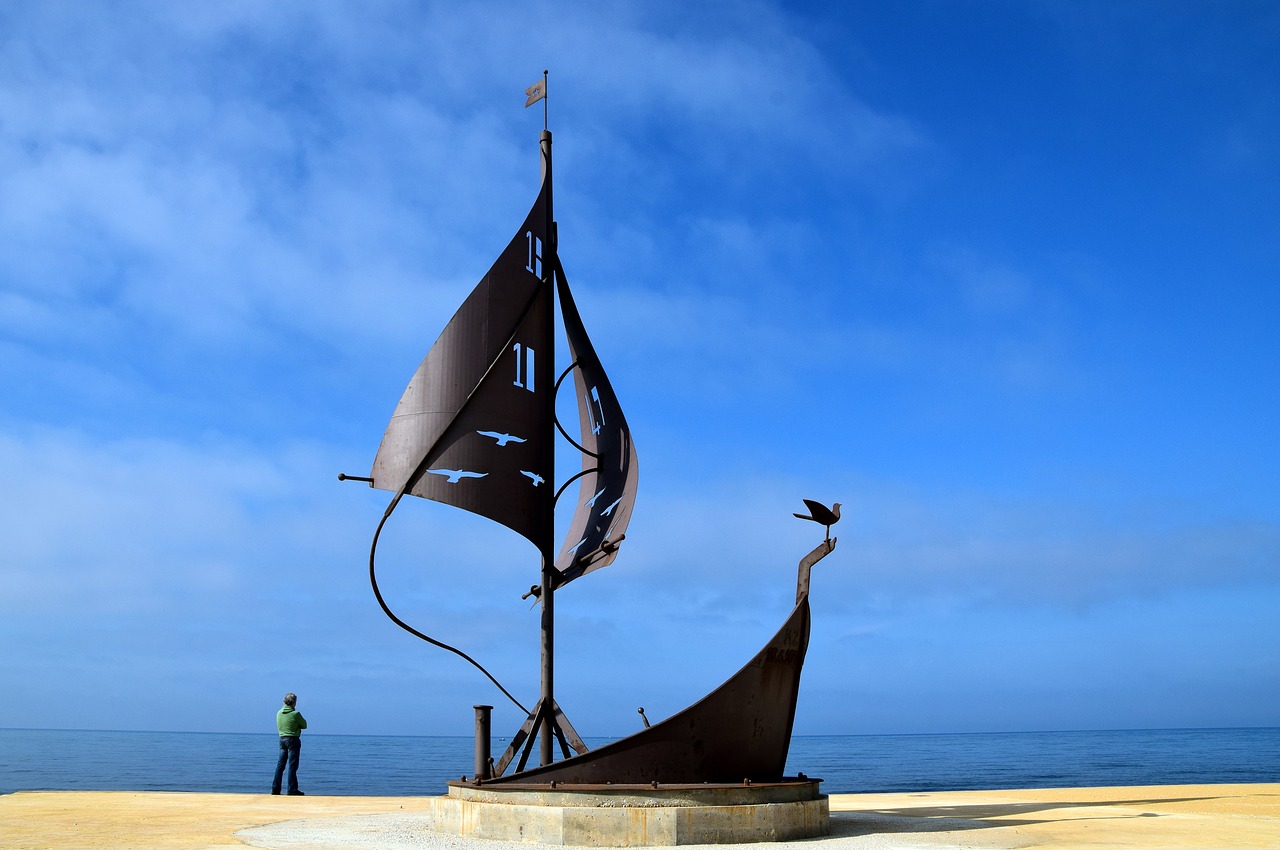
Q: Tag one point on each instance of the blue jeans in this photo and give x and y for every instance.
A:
(290, 751)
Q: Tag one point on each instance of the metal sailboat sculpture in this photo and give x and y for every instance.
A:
(476, 429)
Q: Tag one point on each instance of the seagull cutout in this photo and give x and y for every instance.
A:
(591, 503)
(532, 476)
(502, 439)
(821, 514)
(609, 510)
(455, 475)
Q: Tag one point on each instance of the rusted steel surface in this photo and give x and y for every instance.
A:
(819, 552)
(740, 731)
(469, 430)
(610, 472)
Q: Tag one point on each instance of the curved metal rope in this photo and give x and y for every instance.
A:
(555, 500)
(408, 485)
(555, 392)
(373, 580)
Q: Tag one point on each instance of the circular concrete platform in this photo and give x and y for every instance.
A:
(633, 815)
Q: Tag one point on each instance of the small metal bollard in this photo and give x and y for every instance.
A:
(484, 764)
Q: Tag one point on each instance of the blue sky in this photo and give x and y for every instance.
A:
(1000, 277)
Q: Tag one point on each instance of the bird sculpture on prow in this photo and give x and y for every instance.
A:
(821, 514)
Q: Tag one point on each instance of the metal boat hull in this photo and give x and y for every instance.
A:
(740, 731)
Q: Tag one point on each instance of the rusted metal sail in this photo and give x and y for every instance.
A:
(471, 429)
(610, 472)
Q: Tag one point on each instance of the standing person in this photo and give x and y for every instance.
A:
(290, 722)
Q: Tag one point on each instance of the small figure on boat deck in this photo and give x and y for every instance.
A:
(290, 723)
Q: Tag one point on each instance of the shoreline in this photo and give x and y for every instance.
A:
(1186, 816)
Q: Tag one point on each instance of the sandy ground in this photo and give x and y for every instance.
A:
(1178, 816)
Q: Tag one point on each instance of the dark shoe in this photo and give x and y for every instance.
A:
(277, 793)
(296, 794)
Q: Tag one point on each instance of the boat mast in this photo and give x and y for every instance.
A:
(547, 545)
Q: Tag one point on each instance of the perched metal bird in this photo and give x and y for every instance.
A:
(821, 514)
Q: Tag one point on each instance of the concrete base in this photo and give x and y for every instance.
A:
(1191, 817)
(633, 816)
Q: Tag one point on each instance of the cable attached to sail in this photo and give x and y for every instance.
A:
(570, 440)
(413, 479)
(563, 433)
(373, 580)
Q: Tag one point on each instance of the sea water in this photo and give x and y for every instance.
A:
(33, 759)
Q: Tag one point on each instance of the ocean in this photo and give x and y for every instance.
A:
(367, 765)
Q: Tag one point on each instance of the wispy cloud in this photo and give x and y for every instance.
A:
(229, 232)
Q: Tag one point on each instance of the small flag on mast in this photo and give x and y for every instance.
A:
(536, 92)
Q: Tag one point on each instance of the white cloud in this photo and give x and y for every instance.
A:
(229, 232)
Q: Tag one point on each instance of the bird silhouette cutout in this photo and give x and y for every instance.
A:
(502, 439)
(821, 514)
(455, 475)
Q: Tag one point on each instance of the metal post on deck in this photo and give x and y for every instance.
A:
(482, 741)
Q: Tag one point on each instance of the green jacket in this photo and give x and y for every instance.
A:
(290, 722)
